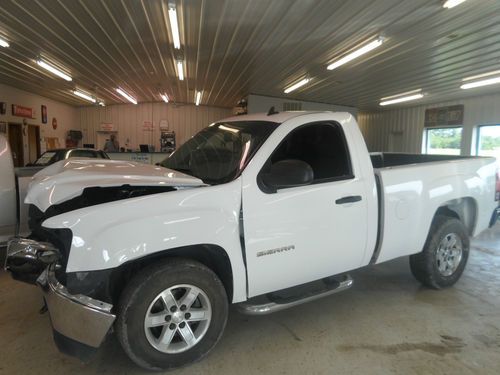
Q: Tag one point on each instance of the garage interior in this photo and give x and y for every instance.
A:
(420, 76)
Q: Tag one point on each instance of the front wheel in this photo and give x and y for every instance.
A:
(445, 254)
(171, 314)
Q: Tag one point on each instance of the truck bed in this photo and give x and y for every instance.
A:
(411, 188)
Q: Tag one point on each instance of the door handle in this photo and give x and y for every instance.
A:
(349, 199)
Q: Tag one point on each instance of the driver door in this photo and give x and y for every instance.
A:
(299, 234)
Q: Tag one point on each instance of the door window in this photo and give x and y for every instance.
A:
(322, 146)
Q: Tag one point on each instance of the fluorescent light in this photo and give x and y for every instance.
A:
(367, 48)
(496, 72)
(198, 98)
(297, 85)
(84, 95)
(4, 43)
(180, 70)
(101, 103)
(485, 82)
(164, 97)
(53, 70)
(131, 99)
(452, 3)
(174, 26)
(406, 93)
(403, 97)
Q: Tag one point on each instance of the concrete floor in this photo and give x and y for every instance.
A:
(386, 324)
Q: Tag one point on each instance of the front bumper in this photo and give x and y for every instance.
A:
(77, 318)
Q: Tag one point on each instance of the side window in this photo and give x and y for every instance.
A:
(322, 146)
(442, 141)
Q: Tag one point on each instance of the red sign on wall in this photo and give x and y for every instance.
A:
(19, 110)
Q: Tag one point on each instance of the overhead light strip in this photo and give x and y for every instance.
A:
(407, 93)
(164, 97)
(484, 82)
(401, 98)
(471, 78)
(359, 52)
(174, 25)
(4, 43)
(197, 99)
(54, 70)
(84, 95)
(180, 70)
(297, 85)
(130, 98)
(452, 3)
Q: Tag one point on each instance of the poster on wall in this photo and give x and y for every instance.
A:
(451, 115)
(3, 108)
(44, 114)
(147, 126)
(21, 111)
(163, 124)
(107, 127)
(54, 123)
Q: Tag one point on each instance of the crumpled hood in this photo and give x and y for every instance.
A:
(66, 179)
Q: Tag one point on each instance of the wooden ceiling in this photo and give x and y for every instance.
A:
(235, 47)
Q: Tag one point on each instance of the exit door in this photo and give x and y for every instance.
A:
(33, 143)
(16, 144)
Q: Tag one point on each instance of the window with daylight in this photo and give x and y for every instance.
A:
(442, 141)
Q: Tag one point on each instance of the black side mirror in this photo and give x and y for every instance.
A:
(287, 173)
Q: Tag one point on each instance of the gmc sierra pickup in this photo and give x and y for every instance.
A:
(262, 211)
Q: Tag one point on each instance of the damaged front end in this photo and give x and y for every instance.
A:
(80, 323)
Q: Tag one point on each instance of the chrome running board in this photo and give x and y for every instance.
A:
(273, 302)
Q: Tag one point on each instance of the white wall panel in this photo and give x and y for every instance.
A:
(66, 115)
(128, 120)
(378, 126)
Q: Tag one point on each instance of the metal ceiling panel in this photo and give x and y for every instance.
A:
(235, 47)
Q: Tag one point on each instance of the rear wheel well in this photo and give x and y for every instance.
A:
(212, 256)
(463, 209)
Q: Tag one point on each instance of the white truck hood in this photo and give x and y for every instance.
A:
(66, 179)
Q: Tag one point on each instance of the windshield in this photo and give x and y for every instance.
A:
(45, 158)
(220, 152)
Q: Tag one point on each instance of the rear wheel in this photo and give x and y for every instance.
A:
(445, 254)
(171, 314)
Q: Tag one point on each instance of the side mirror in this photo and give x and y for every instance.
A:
(287, 173)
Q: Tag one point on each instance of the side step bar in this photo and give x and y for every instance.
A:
(273, 302)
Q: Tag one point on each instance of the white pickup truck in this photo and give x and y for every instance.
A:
(262, 211)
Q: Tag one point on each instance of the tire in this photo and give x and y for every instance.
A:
(434, 266)
(175, 280)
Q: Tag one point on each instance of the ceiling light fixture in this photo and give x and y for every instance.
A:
(361, 51)
(130, 98)
(101, 103)
(164, 97)
(403, 97)
(484, 82)
(297, 85)
(197, 99)
(471, 78)
(4, 43)
(448, 4)
(54, 70)
(174, 25)
(84, 95)
(180, 70)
